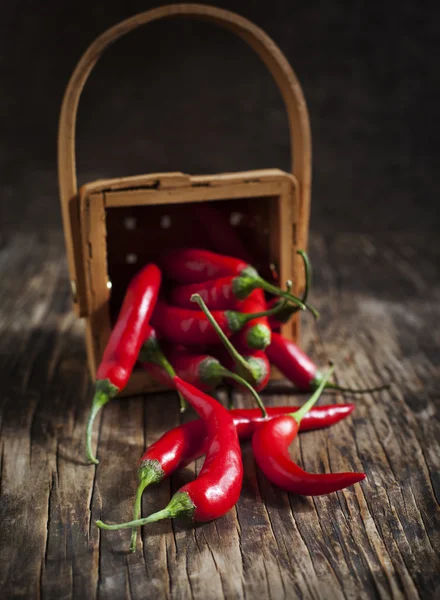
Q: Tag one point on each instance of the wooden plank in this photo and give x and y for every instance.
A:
(177, 179)
(378, 299)
(94, 244)
(140, 197)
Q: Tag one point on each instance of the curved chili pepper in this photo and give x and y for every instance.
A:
(182, 445)
(194, 265)
(296, 366)
(270, 444)
(218, 486)
(203, 371)
(127, 336)
(190, 327)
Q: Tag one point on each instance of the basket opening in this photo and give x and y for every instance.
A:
(138, 235)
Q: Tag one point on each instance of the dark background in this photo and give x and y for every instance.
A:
(181, 95)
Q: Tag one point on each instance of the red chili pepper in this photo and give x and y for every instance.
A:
(296, 366)
(203, 371)
(127, 336)
(257, 333)
(156, 363)
(246, 369)
(190, 327)
(218, 486)
(218, 294)
(182, 445)
(270, 444)
(197, 266)
(257, 361)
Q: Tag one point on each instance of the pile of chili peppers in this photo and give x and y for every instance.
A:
(216, 321)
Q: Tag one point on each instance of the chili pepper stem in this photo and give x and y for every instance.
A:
(307, 274)
(151, 352)
(288, 311)
(145, 482)
(180, 505)
(379, 388)
(299, 414)
(242, 318)
(104, 391)
(230, 375)
(273, 289)
(334, 386)
(235, 355)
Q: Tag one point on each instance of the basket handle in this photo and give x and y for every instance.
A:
(270, 54)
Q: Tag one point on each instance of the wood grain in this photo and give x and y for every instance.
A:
(379, 301)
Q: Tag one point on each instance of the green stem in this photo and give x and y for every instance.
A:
(158, 516)
(307, 273)
(151, 352)
(288, 311)
(231, 375)
(273, 289)
(151, 478)
(235, 355)
(104, 391)
(180, 505)
(299, 414)
(278, 292)
(244, 318)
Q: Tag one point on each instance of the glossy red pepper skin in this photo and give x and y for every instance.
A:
(131, 327)
(193, 265)
(192, 328)
(129, 333)
(217, 488)
(270, 444)
(184, 444)
(218, 294)
(293, 363)
(189, 327)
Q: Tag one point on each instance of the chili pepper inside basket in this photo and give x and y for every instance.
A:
(115, 226)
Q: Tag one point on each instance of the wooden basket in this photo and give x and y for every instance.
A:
(107, 222)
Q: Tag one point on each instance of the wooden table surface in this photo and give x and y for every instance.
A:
(379, 301)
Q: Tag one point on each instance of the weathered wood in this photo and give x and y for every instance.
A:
(379, 301)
